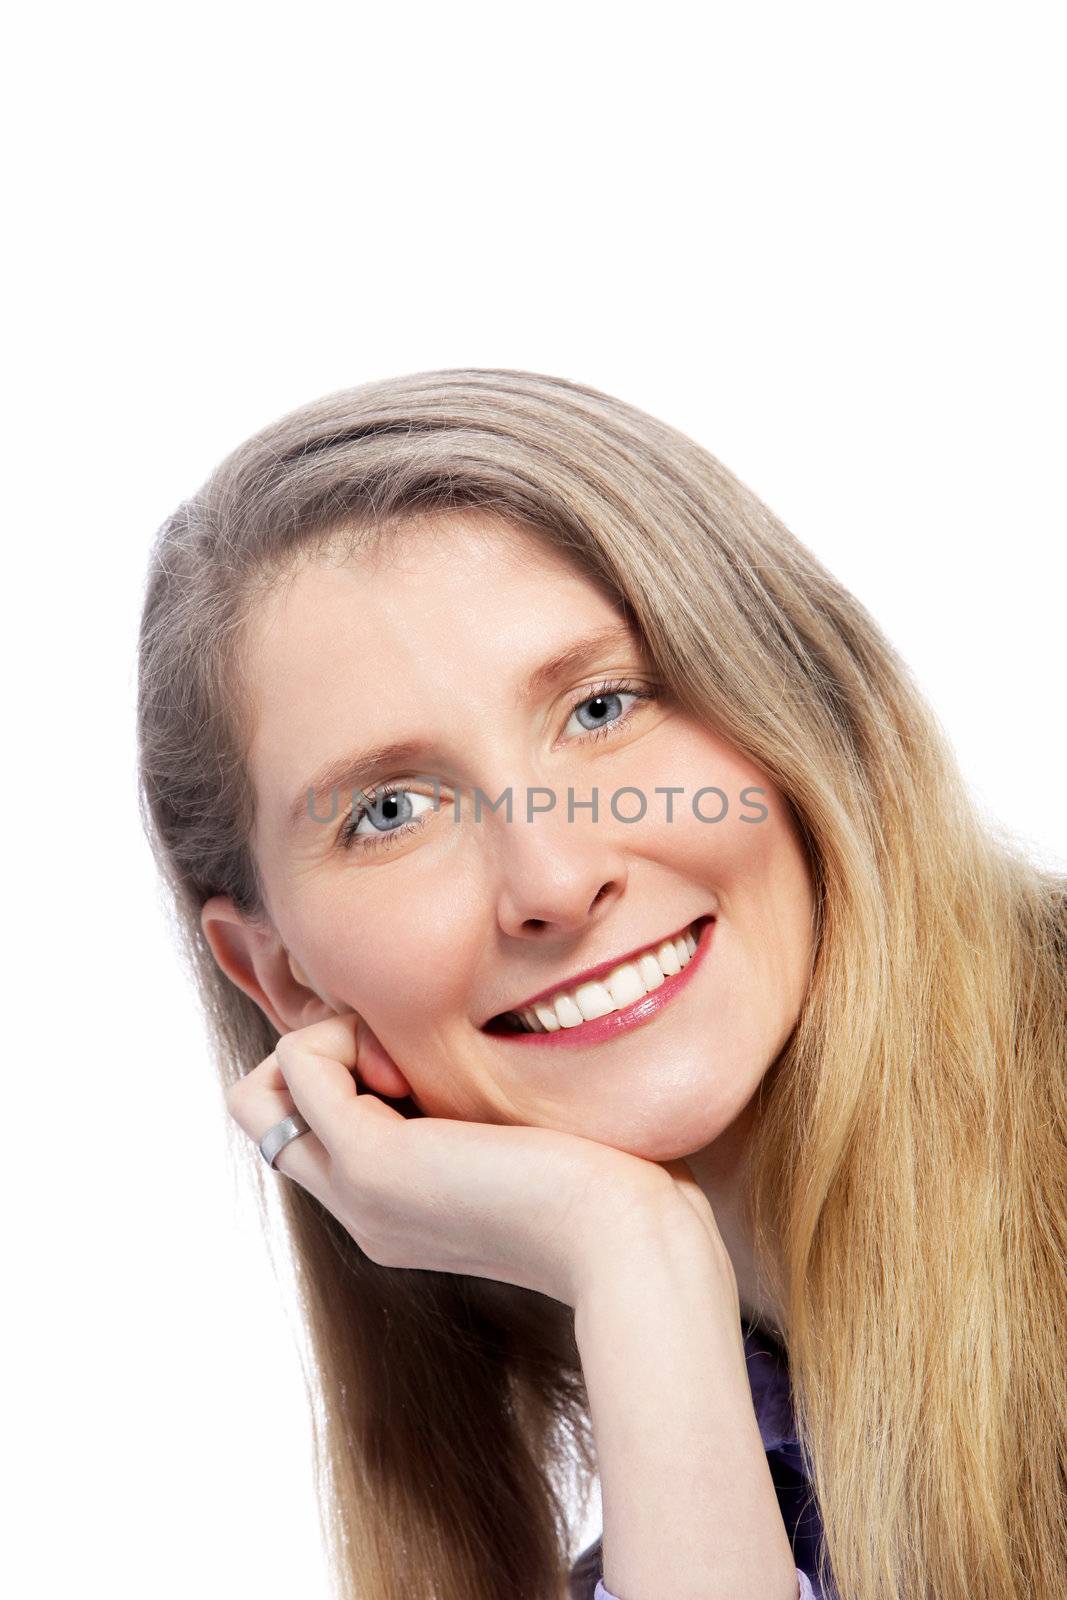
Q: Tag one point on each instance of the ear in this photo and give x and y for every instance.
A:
(253, 957)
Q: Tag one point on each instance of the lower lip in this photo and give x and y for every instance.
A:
(632, 1016)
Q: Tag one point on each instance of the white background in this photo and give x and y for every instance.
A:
(823, 240)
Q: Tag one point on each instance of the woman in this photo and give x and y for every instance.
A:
(663, 1002)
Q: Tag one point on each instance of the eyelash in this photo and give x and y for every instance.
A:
(347, 837)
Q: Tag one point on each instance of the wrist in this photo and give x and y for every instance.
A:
(658, 1330)
(659, 1236)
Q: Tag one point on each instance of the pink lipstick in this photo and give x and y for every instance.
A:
(597, 1029)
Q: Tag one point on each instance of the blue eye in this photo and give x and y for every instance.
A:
(388, 809)
(603, 701)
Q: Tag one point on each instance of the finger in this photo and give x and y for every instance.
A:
(319, 1067)
(260, 1100)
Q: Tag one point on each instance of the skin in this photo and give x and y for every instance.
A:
(429, 935)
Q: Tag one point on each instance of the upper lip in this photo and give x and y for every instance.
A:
(590, 974)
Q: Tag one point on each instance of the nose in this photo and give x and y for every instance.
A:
(556, 876)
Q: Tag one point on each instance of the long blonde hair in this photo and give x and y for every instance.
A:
(906, 1182)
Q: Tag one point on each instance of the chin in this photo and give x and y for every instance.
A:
(659, 1133)
(687, 1117)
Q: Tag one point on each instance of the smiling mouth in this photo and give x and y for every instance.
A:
(619, 988)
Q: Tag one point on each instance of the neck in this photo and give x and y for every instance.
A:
(718, 1169)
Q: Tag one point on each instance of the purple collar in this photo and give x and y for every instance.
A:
(772, 1395)
(772, 1399)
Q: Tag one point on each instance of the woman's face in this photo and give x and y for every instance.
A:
(431, 931)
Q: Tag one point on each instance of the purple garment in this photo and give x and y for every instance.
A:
(768, 1376)
(804, 1591)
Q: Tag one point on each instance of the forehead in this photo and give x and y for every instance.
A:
(453, 560)
(442, 579)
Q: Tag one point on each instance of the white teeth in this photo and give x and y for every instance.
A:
(621, 987)
(567, 1012)
(668, 958)
(625, 985)
(593, 1000)
(651, 972)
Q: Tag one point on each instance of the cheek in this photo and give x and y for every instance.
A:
(406, 972)
(400, 956)
(773, 906)
(713, 842)
(706, 817)
(757, 869)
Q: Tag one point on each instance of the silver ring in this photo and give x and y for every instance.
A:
(275, 1139)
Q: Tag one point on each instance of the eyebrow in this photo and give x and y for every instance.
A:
(359, 767)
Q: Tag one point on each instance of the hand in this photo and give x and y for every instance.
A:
(517, 1204)
(687, 1188)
